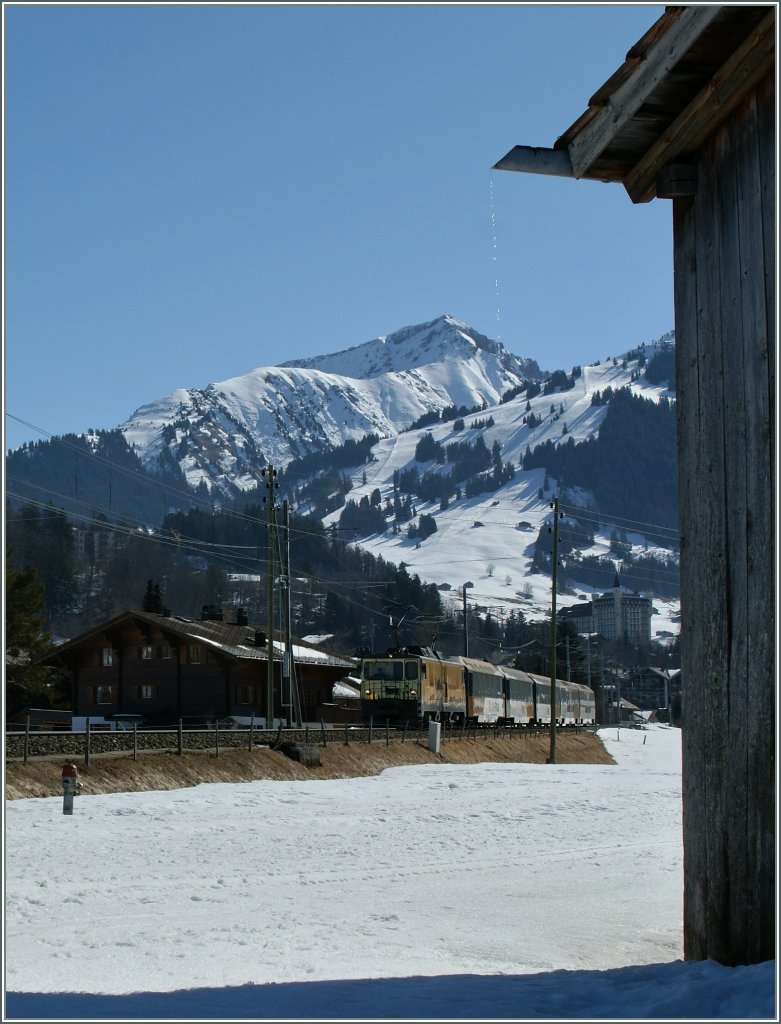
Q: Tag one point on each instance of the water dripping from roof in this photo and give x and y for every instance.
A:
(494, 255)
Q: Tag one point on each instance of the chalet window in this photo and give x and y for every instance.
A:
(106, 657)
(104, 694)
(145, 653)
(194, 654)
(146, 692)
(164, 652)
(245, 694)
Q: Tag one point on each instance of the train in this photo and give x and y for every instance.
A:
(411, 685)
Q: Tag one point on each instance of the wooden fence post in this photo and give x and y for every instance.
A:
(135, 741)
(86, 744)
(180, 740)
(26, 737)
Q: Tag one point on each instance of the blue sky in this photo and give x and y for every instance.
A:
(192, 191)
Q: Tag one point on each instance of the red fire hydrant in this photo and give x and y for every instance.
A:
(71, 786)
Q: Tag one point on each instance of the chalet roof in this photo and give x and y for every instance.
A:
(652, 670)
(235, 641)
(677, 84)
(627, 704)
(574, 611)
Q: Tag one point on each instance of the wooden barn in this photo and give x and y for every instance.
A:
(690, 116)
(160, 668)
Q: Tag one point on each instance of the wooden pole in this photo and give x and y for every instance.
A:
(270, 597)
(554, 566)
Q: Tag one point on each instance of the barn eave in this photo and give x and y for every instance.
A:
(645, 125)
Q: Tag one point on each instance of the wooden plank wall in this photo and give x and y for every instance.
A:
(725, 351)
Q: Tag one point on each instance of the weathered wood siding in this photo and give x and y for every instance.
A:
(725, 344)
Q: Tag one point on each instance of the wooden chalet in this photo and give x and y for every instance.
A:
(690, 116)
(166, 667)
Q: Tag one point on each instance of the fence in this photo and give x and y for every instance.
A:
(31, 744)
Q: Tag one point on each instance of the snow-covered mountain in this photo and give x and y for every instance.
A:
(224, 433)
(409, 390)
(488, 539)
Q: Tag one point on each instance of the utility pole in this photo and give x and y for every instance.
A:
(554, 564)
(466, 628)
(466, 625)
(290, 664)
(569, 671)
(270, 475)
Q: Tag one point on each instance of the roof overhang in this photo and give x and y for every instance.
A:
(645, 125)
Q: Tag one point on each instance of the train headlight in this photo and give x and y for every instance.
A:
(367, 693)
(413, 693)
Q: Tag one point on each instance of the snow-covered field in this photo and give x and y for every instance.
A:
(491, 891)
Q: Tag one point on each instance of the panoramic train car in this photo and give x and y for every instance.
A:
(485, 700)
(575, 703)
(587, 704)
(443, 688)
(541, 699)
(519, 696)
(567, 704)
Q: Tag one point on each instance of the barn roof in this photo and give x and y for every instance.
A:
(236, 641)
(677, 84)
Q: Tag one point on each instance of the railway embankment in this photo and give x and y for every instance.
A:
(333, 757)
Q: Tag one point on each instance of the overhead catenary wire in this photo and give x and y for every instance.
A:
(319, 533)
(208, 505)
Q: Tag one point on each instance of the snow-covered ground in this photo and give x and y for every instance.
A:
(445, 891)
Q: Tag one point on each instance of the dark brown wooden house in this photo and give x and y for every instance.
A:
(164, 668)
(690, 116)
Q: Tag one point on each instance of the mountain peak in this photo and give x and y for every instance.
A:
(408, 348)
(222, 433)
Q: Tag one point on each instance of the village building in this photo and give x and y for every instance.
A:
(652, 689)
(157, 669)
(621, 615)
(616, 615)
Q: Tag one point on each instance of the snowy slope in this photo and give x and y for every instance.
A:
(496, 556)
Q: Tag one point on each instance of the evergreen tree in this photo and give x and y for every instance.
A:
(28, 684)
(153, 599)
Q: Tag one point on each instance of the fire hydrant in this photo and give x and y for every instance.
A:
(71, 786)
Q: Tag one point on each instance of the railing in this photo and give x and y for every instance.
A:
(42, 744)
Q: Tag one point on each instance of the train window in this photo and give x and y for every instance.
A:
(411, 670)
(388, 671)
